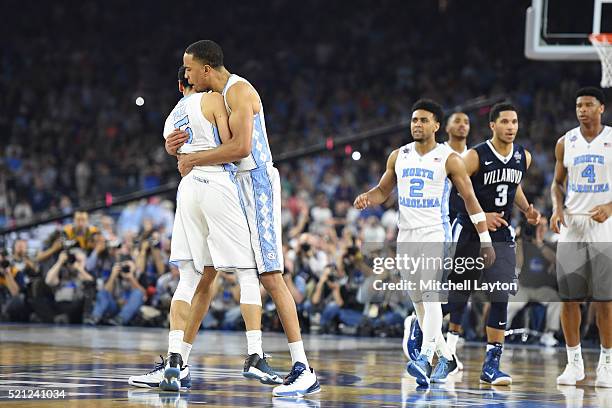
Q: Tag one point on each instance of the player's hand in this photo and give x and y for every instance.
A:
(362, 201)
(63, 257)
(495, 220)
(533, 215)
(601, 213)
(183, 165)
(175, 140)
(488, 255)
(557, 219)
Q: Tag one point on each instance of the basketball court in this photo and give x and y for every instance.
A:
(92, 365)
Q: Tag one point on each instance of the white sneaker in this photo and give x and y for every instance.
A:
(155, 376)
(548, 340)
(459, 365)
(573, 372)
(604, 376)
(298, 383)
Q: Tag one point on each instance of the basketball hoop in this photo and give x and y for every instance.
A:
(603, 45)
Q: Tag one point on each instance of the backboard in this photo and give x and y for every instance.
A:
(559, 29)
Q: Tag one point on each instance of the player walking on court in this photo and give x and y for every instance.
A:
(422, 171)
(259, 185)
(582, 206)
(195, 238)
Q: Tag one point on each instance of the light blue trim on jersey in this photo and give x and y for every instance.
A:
(226, 166)
(444, 210)
(263, 197)
(260, 150)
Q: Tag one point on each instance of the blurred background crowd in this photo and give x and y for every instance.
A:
(72, 136)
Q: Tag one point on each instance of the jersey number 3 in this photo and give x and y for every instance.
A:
(502, 195)
(183, 122)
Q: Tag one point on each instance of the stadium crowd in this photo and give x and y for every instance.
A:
(72, 134)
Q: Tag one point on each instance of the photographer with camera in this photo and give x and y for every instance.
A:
(150, 259)
(66, 279)
(12, 285)
(122, 294)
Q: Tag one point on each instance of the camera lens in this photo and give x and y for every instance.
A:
(5, 264)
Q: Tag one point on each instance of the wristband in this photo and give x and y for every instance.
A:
(479, 217)
(485, 238)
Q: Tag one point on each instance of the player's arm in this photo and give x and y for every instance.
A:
(557, 190)
(238, 146)
(521, 202)
(456, 168)
(383, 189)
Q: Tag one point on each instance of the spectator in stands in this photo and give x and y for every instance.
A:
(12, 291)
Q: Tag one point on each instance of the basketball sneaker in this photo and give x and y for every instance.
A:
(459, 366)
(172, 373)
(443, 369)
(491, 374)
(574, 371)
(298, 383)
(258, 368)
(155, 376)
(420, 369)
(604, 375)
(413, 337)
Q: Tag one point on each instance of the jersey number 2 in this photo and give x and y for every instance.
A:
(589, 173)
(502, 195)
(416, 185)
(183, 122)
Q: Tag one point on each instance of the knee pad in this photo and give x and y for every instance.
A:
(188, 282)
(498, 314)
(248, 280)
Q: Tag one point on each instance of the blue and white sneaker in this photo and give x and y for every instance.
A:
(420, 369)
(156, 375)
(172, 373)
(258, 368)
(491, 374)
(443, 369)
(298, 383)
(413, 338)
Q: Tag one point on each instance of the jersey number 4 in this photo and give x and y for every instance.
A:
(502, 195)
(183, 122)
(589, 173)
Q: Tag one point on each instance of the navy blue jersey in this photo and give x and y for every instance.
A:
(495, 184)
(455, 204)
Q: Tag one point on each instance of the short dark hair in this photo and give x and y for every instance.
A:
(593, 91)
(430, 106)
(206, 51)
(499, 108)
(181, 77)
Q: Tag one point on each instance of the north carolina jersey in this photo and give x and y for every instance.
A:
(260, 149)
(423, 187)
(456, 204)
(203, 135)
(589, 170)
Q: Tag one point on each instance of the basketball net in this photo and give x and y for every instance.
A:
(603, 45)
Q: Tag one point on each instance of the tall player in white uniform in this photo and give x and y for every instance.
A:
(582, 206)
(198, 239)
(422, 172)
(259, 185)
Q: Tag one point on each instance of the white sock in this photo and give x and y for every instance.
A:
(574, 354)
(451, 340)
(254, 343)
(419, 309)
(185, 350)
(175, 341)
(605, 357)
(427, 349)
(432, 321)
(442, 348)
(298, 354)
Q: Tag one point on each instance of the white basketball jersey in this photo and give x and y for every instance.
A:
(260, 148)
(203, 135)
(423, 187)
(462, 154)
(589, 170)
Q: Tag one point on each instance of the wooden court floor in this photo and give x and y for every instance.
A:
(91, 367)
